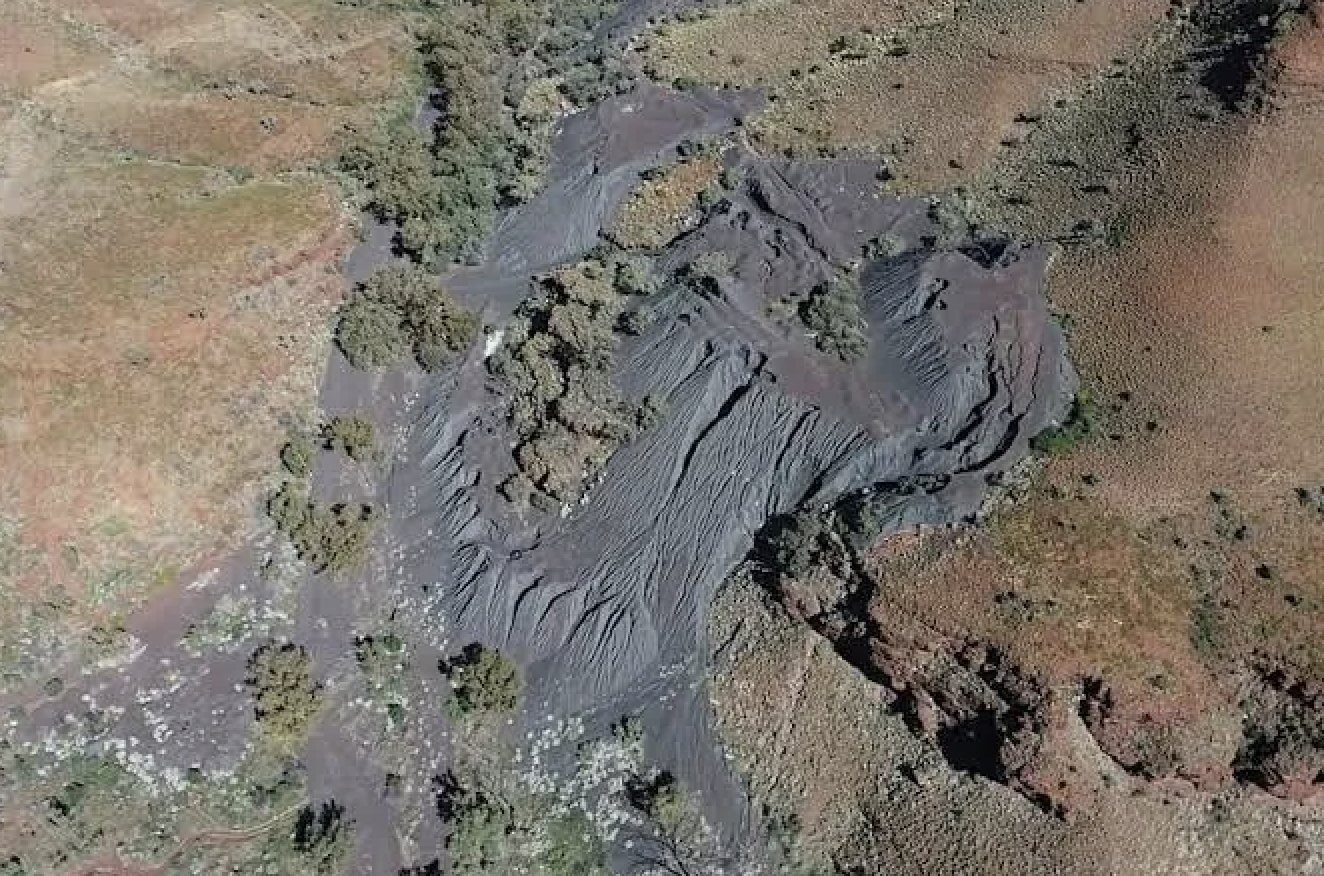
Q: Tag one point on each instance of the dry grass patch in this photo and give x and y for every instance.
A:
(37, 47)
(257, 132)
(135, 20)
(760, 42)
(163, 327)
(1069, 591)
(300, 51)
(162, 322)
(665, 205)
(939, 96)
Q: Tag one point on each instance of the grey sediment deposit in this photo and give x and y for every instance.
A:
(605, 604)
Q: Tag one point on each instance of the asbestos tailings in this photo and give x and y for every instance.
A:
(606, 604)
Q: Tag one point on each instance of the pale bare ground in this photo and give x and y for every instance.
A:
(168, 269)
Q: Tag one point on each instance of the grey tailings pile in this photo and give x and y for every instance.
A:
(606, 604)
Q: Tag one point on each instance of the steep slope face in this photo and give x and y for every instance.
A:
(1154, 595)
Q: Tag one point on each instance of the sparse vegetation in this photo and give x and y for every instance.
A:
(333, 539)
(497, 830)
(832, 314)
(399, 309)
(286, 699)
(682, 840)
(383, 660)
(484, 680)
(1284, 728)
(297, 456)
(1078, 426)
(556, 361)
(351, 435)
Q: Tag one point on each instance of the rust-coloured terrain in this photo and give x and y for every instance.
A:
(167, 268)
(1160, 581)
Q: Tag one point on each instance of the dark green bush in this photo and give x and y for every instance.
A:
(351, 435)
(484, 680)
(494, 832)
(832, 313)
(334, 539)
(556, 361)
(633, 275)
(885, 246)
(297, 456)
(396, 168)
(792, 545)
(705, 274)
(402, 308)
(317, 844)
(371, 334)
(1077, 427)
(286, 698)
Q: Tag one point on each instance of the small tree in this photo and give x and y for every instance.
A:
(484, 680)
(832, 312)
(399, 309)
(354, 436)
(297, 457)
(286, 699)
(370, 334)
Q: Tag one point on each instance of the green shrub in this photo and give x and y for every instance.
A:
(851, 46)
(633, 322)
(352, 435)
(705, 274)
(317, 844)
(885, 246)
(334, 539)
(482, 829)
(832, 313)
(556, 362)
(571, 847)
(371, 334)
(1077, 427)
(342, 536)
(648, 414)
(396, 170)
(633, 275)
(484, 680)
(792, 545)
(682, 840)
(383, 661)
(286, 698)
(495, 832)
(402, 308)
(290, 507)
(953, 216)
(297, 456)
